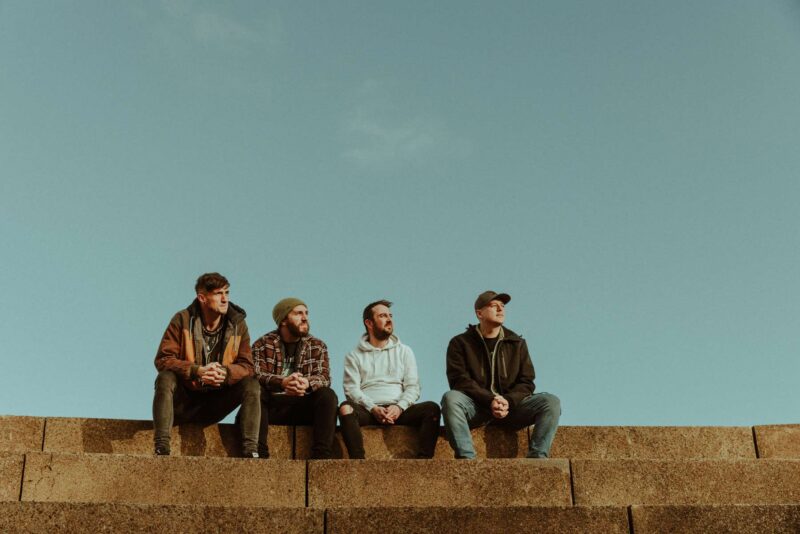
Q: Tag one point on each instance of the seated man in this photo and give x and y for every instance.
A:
(293, 369)
(381, 386)
(205, 367)
(491, 380)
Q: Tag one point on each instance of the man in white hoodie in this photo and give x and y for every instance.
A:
(381, 386)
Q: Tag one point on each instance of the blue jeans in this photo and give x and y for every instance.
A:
(461, 413)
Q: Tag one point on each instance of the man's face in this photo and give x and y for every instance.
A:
(381, 325)
(297, 321)
(215, 300)
(493, 313)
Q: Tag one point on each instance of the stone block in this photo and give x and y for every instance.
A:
(116, 478)
(10, 475)
(778, 441)
(732, 519)
(21, 434)
(438, 483)
(120, 436)
(667, 482)
(66, 518)
(656, 442)
(486, 520)
(490, 442)
(380, 443)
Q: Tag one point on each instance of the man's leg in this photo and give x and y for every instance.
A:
(460, 413)
(542, 410)
(163, 410)
(424, 416)
(219, 403)
(267, 406)
(323, 405)
(351, 418)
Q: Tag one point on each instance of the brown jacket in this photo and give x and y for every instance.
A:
(181, 348)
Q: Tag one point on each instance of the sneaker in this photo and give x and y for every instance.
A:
(162, 451)
(250, 455)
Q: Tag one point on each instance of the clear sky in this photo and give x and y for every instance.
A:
(627, 170)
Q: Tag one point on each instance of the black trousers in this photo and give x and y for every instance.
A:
(424, 416)
(175, 404)
(317, 409)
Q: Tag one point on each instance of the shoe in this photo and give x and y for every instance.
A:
(536, 456)
(250, 455)
(162, 451)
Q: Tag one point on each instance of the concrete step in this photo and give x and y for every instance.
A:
(67, 518)
(21, 434)
(114, 478)
(10, 475)
(121, 436)
(732, 519)
(601, 442)
(778, 441)
(352, 483)
(488, 520)
(664, 482)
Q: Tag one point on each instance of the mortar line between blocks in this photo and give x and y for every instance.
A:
(571, 483)
(44, 432)
(22, 478)
(755, 441)
(630, 519)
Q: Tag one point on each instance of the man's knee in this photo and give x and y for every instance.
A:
(166, 380)
(250, 387)
(431, 409)
(326, 396)
(552, 403)
(346, 408)
(453, 399)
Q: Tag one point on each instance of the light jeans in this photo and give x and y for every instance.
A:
(461, 413)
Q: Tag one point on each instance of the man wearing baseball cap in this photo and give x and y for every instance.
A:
(294, 371)
(491, 382)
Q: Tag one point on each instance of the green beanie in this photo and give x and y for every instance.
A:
(283, 307)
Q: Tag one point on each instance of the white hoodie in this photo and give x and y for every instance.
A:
(374, 376)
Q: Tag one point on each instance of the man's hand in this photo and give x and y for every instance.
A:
(499, 407)
(212, 374)
(393, 412)
(295, 385)
(379, 412)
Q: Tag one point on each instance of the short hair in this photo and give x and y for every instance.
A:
(209, 282)
(368, 310)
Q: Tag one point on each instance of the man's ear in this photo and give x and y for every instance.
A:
(478, 314)
(202, 298)
(368, 324)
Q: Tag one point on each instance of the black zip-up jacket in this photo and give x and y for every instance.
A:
(469, 367)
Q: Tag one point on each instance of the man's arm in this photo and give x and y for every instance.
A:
(459, 378)
(242, 365)
(523, 385)
(168, 356)
(352, 383)
(320, 374)
(411, 387)
(264, 365)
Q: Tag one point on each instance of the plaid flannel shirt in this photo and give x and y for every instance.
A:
(312, 361)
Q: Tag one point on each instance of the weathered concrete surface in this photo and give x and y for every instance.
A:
(122, 436)
(104, 517)
(733, 519)
(380, 442)
(778, 441)
(163, 480)
(624, 482)
(21, 434)
(10, 475)
(488, 520)
(490, 442)
(657, 442)
(438, 483)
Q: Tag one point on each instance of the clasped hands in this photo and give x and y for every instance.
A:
(295, 385)
(212, 374)
(387, 415)
(499, 407)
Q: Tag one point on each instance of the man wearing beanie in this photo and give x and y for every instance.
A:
(491, 382)
(293, 369)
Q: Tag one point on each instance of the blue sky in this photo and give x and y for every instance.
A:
(626, 170)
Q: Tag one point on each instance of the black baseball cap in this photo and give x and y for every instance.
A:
(487, 296)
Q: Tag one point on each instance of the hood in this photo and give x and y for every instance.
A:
(235, 314)
(365, 346)
(508, 335)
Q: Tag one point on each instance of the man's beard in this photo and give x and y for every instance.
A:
(383, 334)
(295, 329)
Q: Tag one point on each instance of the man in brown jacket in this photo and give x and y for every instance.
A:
(205, 368)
